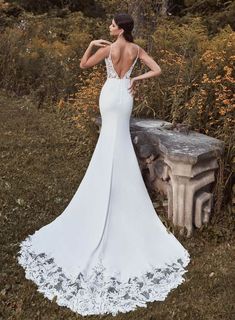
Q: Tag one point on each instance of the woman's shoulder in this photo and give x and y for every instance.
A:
(130, 44)
(131, 47)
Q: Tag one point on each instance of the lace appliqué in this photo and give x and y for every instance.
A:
(111, 72)
(99, 293)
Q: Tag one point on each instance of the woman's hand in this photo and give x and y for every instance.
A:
(100, 43)
(132, 86)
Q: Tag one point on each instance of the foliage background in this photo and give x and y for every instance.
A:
(42, 43)
(48, 107)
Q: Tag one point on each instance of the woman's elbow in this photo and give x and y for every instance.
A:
(158, 72)
(82, 66)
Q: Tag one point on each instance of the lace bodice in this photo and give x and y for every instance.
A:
(111, 72)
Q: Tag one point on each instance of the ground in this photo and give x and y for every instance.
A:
(42, 164)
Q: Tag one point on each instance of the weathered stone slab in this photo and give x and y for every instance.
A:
(182, 165)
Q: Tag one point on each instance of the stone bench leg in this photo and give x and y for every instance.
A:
(193, 186)
(184, 190)
(202, 214)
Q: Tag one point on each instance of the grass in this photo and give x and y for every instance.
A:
(42, 164)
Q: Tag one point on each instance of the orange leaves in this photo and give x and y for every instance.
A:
(85, 102)
(213, 99)
(61, 104)
(222, 111)
(226, 101)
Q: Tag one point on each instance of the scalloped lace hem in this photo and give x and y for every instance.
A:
(99, 293)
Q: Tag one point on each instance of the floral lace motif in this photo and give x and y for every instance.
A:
(99, 293)
(111, 72)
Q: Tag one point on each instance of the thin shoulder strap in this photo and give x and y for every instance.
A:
(138, 51)
(110, 50)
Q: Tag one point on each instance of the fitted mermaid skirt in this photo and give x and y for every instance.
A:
(108, 251)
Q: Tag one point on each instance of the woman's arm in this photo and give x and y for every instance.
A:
(89, 60)
(86, 56)
(152, 64)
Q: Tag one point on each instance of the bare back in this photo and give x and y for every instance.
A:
(123, 58)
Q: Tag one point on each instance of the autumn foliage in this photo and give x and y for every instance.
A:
(39, 57)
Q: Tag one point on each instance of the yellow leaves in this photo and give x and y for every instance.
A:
(76, 118)
(222, 111)
(85, 102)
(228, 70)
(61, 104)
(33, 55)
(37, 43)
(60, 48)
(205, 78)
(203, 92)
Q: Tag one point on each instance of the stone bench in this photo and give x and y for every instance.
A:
(181, 165)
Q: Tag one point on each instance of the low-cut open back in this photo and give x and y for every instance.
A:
(129, 69)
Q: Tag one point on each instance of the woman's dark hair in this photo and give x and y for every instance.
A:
(125, 22)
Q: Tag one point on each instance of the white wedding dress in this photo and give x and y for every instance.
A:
(108, 251)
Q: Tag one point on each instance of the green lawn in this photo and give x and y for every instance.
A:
(42, 164)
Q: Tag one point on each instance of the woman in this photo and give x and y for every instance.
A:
(108, 252)
(123, 49)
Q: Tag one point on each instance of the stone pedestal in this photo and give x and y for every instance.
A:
(181, 165)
